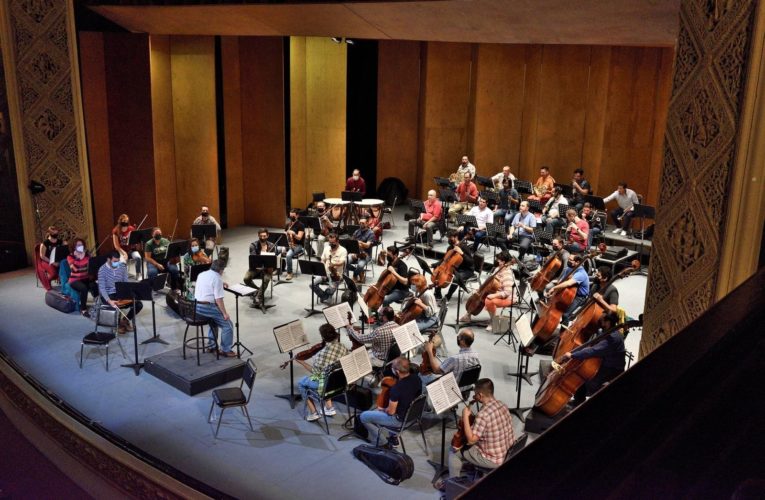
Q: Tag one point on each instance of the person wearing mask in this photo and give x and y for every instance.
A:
(295, 231)
(79, 280)
(581, 188)
(155, 253)
(205, 218)
(465, 270)
(505, 294)
(381, 338)
(121, 240)
(113, 271)
(261, 246)
(332, 351)
(457, 363)
(508, 203)
(573, 275)
(483, 215)
(47, 268)
(195, 256)
(334, 258)
(355, 183)
(400, 270)
(208, 295)
(326, 226)
(366, 239)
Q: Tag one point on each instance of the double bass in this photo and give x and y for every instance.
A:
(549, 271)
(568, 376)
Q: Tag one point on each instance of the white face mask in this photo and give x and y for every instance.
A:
(79, 248)
(194, 249)
(355, 177)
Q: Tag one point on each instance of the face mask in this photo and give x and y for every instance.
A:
(205, 214)
(356, 177)
(571, 264)
(333, 245)
(79, 248)
(413, 288)
(293, 218)
(194, 249)
(320, 210)
(116, 264)
(158, 237)
(123, 224)
(264, 239)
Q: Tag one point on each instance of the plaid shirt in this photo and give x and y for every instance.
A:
(331, 353)
(381, 338)
(460, 362)
(494, 428)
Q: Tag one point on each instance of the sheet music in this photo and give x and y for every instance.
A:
(363, 306)
(356, 364)
(444, 393)
(337, 315)
(523, 328)
(241, 290)
(290, 336)
(408, 336)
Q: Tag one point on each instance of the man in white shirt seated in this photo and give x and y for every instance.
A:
(483, 215)
(505, 174)
(622, 214)
(209, 298)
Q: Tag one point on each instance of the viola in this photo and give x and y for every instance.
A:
(444, 273)
(355, 344)
(386, 384)
(459, 440)
(549, 271)
(568, 376)
(306, 354)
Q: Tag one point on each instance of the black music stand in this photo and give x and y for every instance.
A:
(291, 397)
(351, 214)
(426, 269)
(442, 182)
(417, 205)
(484, 181)
(469, 221)
(566, 189)
(134, 291)
(262, 262)
(352, 196)
(139, 236)
(238, 343)
(535, 207)
(350, 244)
(177, 249)
(595, 201)
(520, 375)
(315, 224)
(94, 264)
(203, 232)
(62, 252)
(156, 284)
(314, 269)
(495, 233)
(523, 187)
(644, 212)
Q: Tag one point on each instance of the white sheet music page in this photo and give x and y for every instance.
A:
(444, 393)
(414, 331)
(523, 328)
(363, 306)
(356, 364)
(407, 336)
(290, 336)
(241, 290)
(337, 315)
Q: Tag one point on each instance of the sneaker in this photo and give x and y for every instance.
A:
(616, 230)
(440, 484)
(289, 277)
(393, 440)
(330, 411)
(313, 417)
(465, 318)
(489, 329)
(623, 233)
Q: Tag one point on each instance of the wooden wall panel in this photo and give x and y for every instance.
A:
(318, 71)
(263, 141)
(128, 87)
(528, 168)
(398, 100)
(94, 96)
(595, 123)
(444, 113)
(192, 68)
(232, 126)
(500, 71)
(163, 135)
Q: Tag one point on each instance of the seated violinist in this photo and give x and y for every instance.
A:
(326, 226)
(261, 246)
(457, 363)
(610, 348)
(374, 223)
(366, 239)
(504, 296)
(573, 275)
(332, 351)
(113, 271)
(155, 253)
(204, 219)
(401, 396)
(381, 337)
(79, 280)
(488, 438)
(334, 258)
(465, 270)
(398, 268)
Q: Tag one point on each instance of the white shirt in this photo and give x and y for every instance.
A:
(209, 287)
(625, 201)
(462, 169)
(554, 202)
(497, 180)
(336, 258)
(482, 217)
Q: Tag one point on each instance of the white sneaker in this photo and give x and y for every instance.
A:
(623, 233)
(616, 230)
(489, 329)
(330, 412)
(313, 417)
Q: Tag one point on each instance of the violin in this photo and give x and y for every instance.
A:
(355, 344)
(549, 271)
(306, 354)
(475, 302)
(376, 293)
(444, 273)
(568, 376)
(386, 384)
(426, 367)
(459, 440)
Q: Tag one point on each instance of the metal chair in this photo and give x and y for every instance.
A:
(108, 317)
(188, 311)
(519, 444)
(232, 397)
(467, 380)
(413, 416)
(335, 384)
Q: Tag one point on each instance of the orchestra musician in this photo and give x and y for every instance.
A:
(295, 231)
(46, 269)
(121, 238)
(551, 211)
(79, 280)
(428, 219)
(155, 253)
(356, 183)
(483, 215)
(626, 200)
(334, 258)
(205, 218)
(577, 232)
(366, 239)
(195, 256)
(498, 179)
(374, 222)
(557, 246)
(457, 363)
(522, 226)
(465, 167)
(208, 295)
(332, 351)
(488, 439)
(400, 270)
(581, 187)
(577, 278)
(465, 270)
(381, 337)
(508, 202)
(467, 194)
(504, 296)
(596, 227)
(543, 187)
(407, 388)
(261, 246)
(607, 297)
(425, 299)
(326, 226)
(611, 349)
(110, 273)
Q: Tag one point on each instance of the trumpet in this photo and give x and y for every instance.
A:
(631, 207)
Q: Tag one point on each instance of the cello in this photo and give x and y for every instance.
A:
(551, 312)
(410, 310)
(375, 294)
(549, 271)
(475, 302)
(568, 376)
(444, 273)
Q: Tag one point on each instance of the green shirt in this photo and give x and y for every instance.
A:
(158, 250)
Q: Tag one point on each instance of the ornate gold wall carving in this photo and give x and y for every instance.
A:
(40, 50)
(700, 142)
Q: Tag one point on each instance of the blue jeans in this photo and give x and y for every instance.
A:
(371, 418)
(594, 231)
(397, 295)
(305, 384)
(211, 312)
(425, 323)
(358, 267)
(291, 252)
(175, 274)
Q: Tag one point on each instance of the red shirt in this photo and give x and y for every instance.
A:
(467, 194)
(124, 236)
(358, 186)
(432, 210)
(575, 237)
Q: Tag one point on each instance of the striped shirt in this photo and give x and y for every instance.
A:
(494, 428)
(460, 362)
(381, 338)
(108, 276)
(506, 282)
(79, 267)
(328, 355)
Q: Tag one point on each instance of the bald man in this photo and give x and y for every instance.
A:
(427, 219)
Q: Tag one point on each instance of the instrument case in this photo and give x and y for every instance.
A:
(391, 465)
(59, 301)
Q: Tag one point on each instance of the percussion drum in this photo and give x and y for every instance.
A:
(336, 207)
(374, 205)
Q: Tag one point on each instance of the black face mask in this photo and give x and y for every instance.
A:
(123, 224)
(571, 264)
(333, 245)
(293, 219)
(205, 214)
(53, 237)
(320, 210)
(157, 237)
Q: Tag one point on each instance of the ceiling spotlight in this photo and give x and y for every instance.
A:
(336, 39)
(349, 41)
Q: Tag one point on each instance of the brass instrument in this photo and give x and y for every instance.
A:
(626, 211)
(290, 236)
(455, 178)
(540, 190)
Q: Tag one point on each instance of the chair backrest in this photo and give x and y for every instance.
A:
(106, 315)
(469, 376)
(335, 383)
(187, 308)
(443, 308)
(415, 410)
(519, 444)
(393, 352)
(478, 263)
(248, 377)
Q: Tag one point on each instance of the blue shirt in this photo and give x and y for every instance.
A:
(528, 220)
(581, 278)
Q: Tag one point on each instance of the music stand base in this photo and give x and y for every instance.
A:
(525, 376)
(135, 366)
(311, 312)
(518, 412)
(292, 398)
(238, 344)
(152, 340)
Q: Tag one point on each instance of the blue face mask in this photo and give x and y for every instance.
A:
(115, 265)
(194, 249)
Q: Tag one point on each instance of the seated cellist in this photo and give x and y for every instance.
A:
(573, 277)
(503, 297)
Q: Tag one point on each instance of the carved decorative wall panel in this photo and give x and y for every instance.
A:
(700, 141)
(40, 47)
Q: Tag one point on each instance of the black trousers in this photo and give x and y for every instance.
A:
(82, 287)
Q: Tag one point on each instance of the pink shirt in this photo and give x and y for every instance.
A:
(432, 210)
